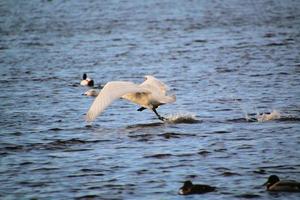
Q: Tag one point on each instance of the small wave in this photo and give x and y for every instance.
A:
(88, 196)
(260, 171)
(228, 173)
(248, 196)
(242, 120)
(85, 174)
(203, 152)
(144, 125)
(55, 129)
(159, 155)
(289, 119)
(169, 135)
(177, 118)
(66, 145)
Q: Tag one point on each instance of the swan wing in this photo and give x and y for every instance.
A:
(110, 92)
(166, 99)
(158, 90)
(151, 81)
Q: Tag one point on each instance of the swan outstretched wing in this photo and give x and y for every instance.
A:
(110, 92)
(158, 90)
(154, 82)
(166, 99)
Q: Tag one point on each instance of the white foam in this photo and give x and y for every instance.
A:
(263, 117)
(267, 117)
(176, 118)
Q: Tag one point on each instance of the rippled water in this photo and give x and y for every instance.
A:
(225, 60)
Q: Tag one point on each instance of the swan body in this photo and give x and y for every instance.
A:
(150, 94)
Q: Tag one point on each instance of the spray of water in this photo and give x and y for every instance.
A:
(268, 116)
(177, 118)
(259, 117)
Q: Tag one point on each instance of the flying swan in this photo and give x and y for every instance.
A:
(149, 95)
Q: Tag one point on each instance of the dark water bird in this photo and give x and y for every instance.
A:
(190, 188)
(275, 184)
(150, 94)
(86, 81)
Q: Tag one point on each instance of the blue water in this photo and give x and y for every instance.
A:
(223, 60)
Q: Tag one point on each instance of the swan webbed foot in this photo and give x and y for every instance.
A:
(162, 118)
(159, 117)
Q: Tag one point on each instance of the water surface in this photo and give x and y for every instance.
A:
(223, 60)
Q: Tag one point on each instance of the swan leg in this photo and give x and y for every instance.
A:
(159, 117)
(141, 109)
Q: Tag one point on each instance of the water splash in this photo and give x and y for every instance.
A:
(263, 117)
(188, 118)
(268, 116)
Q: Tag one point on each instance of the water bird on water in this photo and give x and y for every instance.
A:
(190, 188)
(92, 93)
(150, 94)
(86, 81)
(275, 184)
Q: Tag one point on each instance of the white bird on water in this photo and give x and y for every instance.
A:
(92, 93)
(149, 95)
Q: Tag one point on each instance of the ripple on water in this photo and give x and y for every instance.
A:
(65, 145)
(170, 135)
(228, 173)
(248, 196)
(159, 156)
(155, 124)
(163, 136)
(89, 196)
(204, 152)
(86, 174)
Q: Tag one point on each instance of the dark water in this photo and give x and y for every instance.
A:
(223, 59)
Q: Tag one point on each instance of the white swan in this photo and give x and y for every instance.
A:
(86, 81)
(149, 95)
